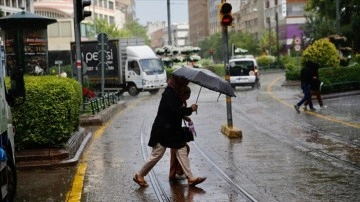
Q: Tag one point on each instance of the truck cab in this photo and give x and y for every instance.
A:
(144, 71)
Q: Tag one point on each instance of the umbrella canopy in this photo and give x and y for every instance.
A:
(25, 18)
(206, 78)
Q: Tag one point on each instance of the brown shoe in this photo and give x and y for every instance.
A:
(140, 182)
(196, 181)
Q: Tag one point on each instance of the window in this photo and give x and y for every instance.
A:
(54, 30)
(65, 29)
(111, 5)
(134, 66)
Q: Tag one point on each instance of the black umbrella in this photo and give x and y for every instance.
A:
(206, 78)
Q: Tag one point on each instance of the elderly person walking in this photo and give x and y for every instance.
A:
(166, 132)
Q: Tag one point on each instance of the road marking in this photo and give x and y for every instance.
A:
(74, 195)
(329, 118)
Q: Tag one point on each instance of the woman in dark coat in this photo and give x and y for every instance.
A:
(167, 131)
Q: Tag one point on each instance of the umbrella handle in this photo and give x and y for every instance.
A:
(198, 96)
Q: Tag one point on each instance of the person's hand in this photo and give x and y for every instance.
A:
(187, 119)
(194, 107)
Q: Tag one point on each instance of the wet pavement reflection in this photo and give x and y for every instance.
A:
(283, 155)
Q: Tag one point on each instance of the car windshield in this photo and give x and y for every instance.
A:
(242, 68)
(152, 66)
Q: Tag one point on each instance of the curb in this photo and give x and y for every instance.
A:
(70, 155)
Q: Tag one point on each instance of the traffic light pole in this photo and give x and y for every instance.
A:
(77, 44)
(225, 37)
(226, 19)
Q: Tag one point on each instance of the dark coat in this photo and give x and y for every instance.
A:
(315, 82)
(306, 76)
(167, 127)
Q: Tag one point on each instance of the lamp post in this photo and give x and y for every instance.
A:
(169, 23)
(277, 38)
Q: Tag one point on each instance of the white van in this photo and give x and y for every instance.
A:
(244, 72)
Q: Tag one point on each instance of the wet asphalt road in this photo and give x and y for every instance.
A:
(283, 156)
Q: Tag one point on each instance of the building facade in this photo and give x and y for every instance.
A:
(199, 23)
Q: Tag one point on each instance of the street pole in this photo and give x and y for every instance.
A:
(269, 36)
(77, 44)
(169, 23)
(225, 38)
(277, 39)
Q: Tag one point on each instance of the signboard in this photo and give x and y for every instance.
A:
(283, 8)
(297, 47)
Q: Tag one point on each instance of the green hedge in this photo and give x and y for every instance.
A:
(340, 79)
(50, 113)
(336, 79)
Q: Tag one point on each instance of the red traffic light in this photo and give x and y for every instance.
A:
(225, 15)
(226, 20)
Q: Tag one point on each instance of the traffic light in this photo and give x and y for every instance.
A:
(225, 15)
(80, 12)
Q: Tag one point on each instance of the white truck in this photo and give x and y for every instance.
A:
(130, 66)
(8, 97)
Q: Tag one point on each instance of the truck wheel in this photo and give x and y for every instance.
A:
(154, 91)
(133, 91)
(11, 178)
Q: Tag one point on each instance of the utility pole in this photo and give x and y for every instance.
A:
(277, 39)
(169, 23)
(226, 19)
(77, 43)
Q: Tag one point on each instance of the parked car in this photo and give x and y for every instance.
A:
(244, 72)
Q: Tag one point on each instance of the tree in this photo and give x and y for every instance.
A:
(131, 29)
(245, 41)
(268, 43)
(349, 19)
(322, 52)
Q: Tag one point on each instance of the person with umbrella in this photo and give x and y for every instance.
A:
(166, 132)
(176, 172)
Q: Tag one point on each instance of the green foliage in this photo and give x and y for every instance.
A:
(338, 79)
(268, 43)
(265, 60)
(218, 69)
(292, 71)
(131, 29)
(212, 43)
(322, 52)
(55, 69)
(245, 41)
(50, 113)
(349, 19)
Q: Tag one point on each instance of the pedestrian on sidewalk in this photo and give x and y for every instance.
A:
(306, 78)
(166, 132)
(176, 172)
(315, 86)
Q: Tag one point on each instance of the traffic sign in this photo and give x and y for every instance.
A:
(297, 41)
(297, 47)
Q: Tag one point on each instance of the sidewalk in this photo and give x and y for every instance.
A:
(69, 156)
